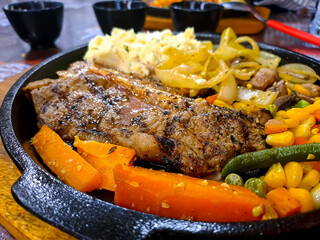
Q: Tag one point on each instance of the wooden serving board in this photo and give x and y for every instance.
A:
(245, 24)
(19, 222)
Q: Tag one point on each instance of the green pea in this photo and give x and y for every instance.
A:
(234, 179)
(302, 103)
(257, 185)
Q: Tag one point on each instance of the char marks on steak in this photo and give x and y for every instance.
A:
(185, 135)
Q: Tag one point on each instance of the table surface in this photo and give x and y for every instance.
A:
(79, 26)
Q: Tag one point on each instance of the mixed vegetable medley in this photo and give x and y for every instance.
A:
(237, 74)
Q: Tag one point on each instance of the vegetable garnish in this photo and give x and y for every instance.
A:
(283, 202)
(63, 161)
(183, 197)
(104, 157)
(265, 158)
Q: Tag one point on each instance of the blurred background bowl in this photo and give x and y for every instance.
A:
(121, 14)
(38, 23)
(202, 16)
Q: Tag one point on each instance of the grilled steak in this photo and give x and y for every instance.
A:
(185, 135)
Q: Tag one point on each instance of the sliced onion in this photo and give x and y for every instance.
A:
(228, 90)
(255, 47)
(268, 60)
(245, 70)
(258, 98)
(298, 73)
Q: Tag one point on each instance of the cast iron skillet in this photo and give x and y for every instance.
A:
(95, 216)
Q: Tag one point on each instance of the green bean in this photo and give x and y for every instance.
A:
(265, 158)
(234, 179)
(257, 185)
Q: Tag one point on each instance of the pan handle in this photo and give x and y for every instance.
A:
(304, 36)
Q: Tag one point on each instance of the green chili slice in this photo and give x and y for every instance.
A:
(265, 158)
(302, 103)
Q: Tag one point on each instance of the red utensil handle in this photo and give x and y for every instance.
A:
(307, 37)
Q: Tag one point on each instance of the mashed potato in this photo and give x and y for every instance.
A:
(139, 53)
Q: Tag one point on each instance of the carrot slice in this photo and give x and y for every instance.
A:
(300, 141)
(316, 165)
(63, 161)
(104, 157)
(275, 126)
(183, 197)
(283, 202)
(212, 98)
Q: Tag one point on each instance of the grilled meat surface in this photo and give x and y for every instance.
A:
(183, 134)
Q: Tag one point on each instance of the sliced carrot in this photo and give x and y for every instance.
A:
(300, 140)
(283, 202)
(66, 163)
(316, 165)
(104, 157)
(183, 197)
(316, 114)
(304, 197)
(275, 126)
(211, 98)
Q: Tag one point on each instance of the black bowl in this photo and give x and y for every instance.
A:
(38, 23)
(202, 16)
(95, 216)
(121, 14)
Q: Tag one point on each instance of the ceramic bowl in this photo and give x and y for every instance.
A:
(38, 23)
(121, 14)
(202, 16)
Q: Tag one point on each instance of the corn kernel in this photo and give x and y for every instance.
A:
(311, 156)
(289, 91)
(304, 197)
(315, 131)
(270, 213)
(294, 173)
(315, 193)
(302, 130)
(281, 114)
(306, 167)
(221, 103)
(257, 211)
(239, 105)
(311, 121)
(280, 139)
(300, 113)
(292, 122)
(275, 177)
(310, 180)
(249, 86)
(314, 139)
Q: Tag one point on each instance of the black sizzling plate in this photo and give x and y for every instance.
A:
(96, 217)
